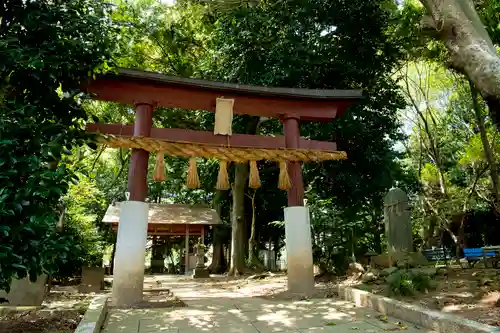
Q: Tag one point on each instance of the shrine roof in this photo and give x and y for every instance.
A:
(153, 77)
(170, 214)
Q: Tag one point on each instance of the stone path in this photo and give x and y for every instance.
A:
(211, 309)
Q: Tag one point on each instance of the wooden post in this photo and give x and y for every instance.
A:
(297, 224)
(203, 234)
(138, 172)
(128, 278)
(292, 140)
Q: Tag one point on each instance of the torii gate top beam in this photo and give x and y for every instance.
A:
(130, 86)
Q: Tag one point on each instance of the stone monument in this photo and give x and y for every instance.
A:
(397, 222)
(25, 293)
(92, 280)
(200, 271)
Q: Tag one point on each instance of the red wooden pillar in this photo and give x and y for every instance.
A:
(292, 136)
(138, 172)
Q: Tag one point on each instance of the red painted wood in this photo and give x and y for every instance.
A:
(196, 98)
(138, 172)
(205, 137)
(170, 229)
(292, 136)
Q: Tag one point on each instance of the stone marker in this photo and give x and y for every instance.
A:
(24, 293)
(397, 222)
(92, 280)
(417, 259)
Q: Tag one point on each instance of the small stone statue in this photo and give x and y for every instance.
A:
(200, 271)
(200, 255)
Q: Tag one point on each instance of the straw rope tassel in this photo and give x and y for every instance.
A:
(193, 181)
(159, 172)
(254, 179)
(222, 177)
(284, 179)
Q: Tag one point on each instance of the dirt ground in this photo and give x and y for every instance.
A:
(470, 293)
(40, 321)
(157, 299)
(268, 286)
(61, 312)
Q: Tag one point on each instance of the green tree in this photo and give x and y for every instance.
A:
(48, 50)
(447, 151)
(328, 44)
(471, 49)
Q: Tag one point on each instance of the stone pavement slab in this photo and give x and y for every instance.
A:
(221, 311)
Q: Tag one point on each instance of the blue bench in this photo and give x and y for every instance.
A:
(474, 255)
(440, 254)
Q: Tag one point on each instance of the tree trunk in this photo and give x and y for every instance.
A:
(228, 254)
(238, 224)
(218, 264)
(253, 260)
(237, 266)
(377, 232)
(471, 49)
(429, 232)
(49, 284)
(488, 152)
(251, 240)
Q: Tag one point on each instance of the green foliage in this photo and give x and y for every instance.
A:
(445, 151)
(168, 39)
(488, 11)
(311, 44)
(83, 199)
(407, 283)
(47, 51)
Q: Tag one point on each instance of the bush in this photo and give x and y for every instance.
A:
(422, 282)
(48, 50)
(407, 283)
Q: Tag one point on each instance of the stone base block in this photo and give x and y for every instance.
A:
(434, 321)
(24, 293)
(92, 280)
(299, 251)
(128, 277)
(201, 273)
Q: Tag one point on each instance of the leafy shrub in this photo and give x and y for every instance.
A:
(407, 283)
(48, 49)
(400, 283)
(422, 282)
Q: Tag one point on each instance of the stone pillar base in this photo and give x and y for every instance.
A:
(299, 251)
(128, 278)
(201, 273)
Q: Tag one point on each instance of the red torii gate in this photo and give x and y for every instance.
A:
(148, 90)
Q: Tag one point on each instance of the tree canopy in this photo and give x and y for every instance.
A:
(48, 49)
(425, 123)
